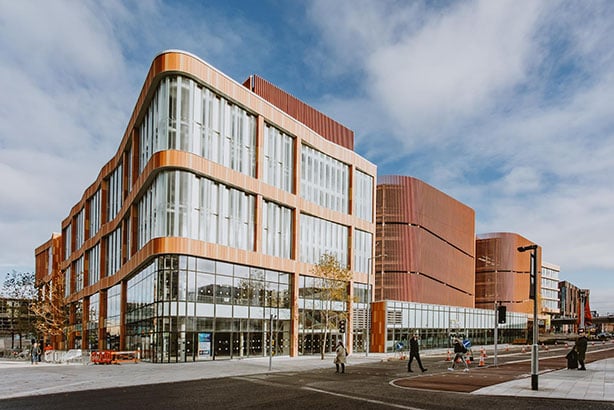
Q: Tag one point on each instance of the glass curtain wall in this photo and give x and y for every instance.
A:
(324, 180)
(312, 326)
(437, 324)
(92, 322)
(318, 236)
(179, 203)
(183, 308)
(183, 115)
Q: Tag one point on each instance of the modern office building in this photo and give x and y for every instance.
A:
(550, 291)
(503, 273)
(425, 244)
(198, 238)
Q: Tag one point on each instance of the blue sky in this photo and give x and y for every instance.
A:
(504, 105)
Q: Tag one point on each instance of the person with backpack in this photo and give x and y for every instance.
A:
(459, 354)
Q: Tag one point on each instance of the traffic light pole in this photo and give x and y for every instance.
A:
(496, 330)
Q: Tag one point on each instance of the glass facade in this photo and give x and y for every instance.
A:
(319, 236)
(324, 180)
(182, 204)
(363, 195)
(184, 308)
(312, 317)
(278, 166)
(437, 324)
(185, 116)
(276, 230)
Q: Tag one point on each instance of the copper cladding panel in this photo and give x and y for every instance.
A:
(314, 119)
(428, 242)
(502, 273)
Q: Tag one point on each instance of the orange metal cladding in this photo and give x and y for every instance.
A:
(320, 123)
(502, 273)
(428, 244)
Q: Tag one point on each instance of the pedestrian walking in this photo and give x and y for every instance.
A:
(580, 347)
(459, 350)
(414, 352)
(35, 353)
(340, 357)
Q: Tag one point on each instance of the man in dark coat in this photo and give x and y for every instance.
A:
(414, 352)
(581, 345)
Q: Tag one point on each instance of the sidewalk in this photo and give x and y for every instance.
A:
(23, 379)
(596, 383)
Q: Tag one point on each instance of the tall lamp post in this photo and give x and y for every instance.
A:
(533, 295)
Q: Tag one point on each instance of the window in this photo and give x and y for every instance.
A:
(363, 196)
(319, 236)
(115, 197)
(179, 203)
(278, 158)
(324, 180)
(94, 265)
(276, 230)
(94, 208)
(186, 116)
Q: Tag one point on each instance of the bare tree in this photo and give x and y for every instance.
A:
(50, 308)
(332, 282)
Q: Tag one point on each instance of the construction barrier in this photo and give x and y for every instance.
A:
(101, 357)
(128, 356)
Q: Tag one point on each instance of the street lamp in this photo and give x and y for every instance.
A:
(533, 295)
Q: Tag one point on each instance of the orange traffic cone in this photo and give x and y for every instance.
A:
(481, 363)
(468, 360)
(448, 358)
(507, 348)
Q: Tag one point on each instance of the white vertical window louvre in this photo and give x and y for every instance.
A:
(179, 203)
(186, 116)
(324, 180)
(278, 158)
(363, 195)
(319, 236)
(276, 229)
(363, 242)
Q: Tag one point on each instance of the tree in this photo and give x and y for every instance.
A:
(18, 288)
(50, 308)
(332, 288)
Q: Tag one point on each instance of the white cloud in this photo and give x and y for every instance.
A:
(504, 105)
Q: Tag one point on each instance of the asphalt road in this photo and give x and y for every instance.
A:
(377, 385)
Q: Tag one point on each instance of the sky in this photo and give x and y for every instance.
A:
(506, 106)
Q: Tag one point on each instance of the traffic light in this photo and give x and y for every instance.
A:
(342, 326)
(501, 314)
